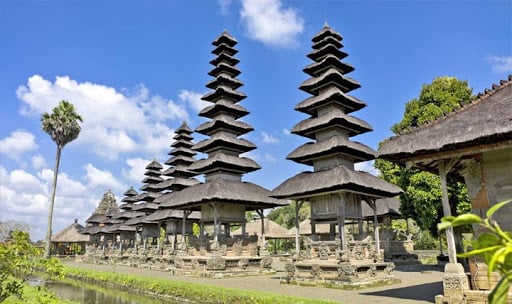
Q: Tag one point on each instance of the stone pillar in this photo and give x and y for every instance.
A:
(455, 283)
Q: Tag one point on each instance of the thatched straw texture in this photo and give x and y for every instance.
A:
(336, 179)
(221, 191)
(71, 234)
(272, 229)
(330, 95)
(486, 121)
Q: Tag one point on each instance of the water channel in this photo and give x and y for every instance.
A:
(87, 293)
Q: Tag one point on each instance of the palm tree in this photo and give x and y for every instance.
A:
(62, 125)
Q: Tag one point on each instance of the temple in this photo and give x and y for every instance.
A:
(223, 198)
(334, 189)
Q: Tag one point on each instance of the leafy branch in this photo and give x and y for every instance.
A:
(494, 246)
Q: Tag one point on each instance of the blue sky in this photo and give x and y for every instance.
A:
(136, 69)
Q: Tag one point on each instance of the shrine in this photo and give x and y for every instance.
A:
(334, 189)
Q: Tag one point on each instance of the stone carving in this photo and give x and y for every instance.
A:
(223, 250)
(216, 263)
(253, 249)
(324, 251)
(390, 269)
(266, 262)
(243, 263)
(316, 271)
(346, 271)
(290, 269)
(372, 271)
(238, 247)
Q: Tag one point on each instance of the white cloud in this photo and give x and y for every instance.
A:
(102, 179)
(367, 167)
(115, 121)
(193, 99)
(18, 143)
(501, 64)
(270, 23)
(224, 5)
(269, 158)
(25, 197)
(38, 162)
(136, 171)
(269, 138)
(286, 132)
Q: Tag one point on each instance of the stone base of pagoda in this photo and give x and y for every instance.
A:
(215, 266)
(346, 275)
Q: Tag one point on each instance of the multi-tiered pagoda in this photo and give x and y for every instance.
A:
(223, 198)
(179, 177)
(334, 188)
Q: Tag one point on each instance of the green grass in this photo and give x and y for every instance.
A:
(184, 290)
(35, 295)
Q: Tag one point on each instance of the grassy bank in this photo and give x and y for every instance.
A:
(196, 293)
(36, 295)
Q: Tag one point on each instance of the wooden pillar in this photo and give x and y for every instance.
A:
(375, 224)
(215, 223)
(341, 222)
(298, 204)
(450, 239)
(262, 217)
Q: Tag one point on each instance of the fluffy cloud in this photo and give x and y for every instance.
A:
(193, 99)
(268, 138)
(18, 143)
(270, 23)
(38, 161)
(136, 170)
(102, 179)
(115, 122)
(25, 197)
(224, 5)
(501, 64)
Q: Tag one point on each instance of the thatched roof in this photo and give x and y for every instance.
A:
(305, 228)
(385, 206)
(96, 218)
(216, 124)
(336, 179)
(335, 117)
(331, 76)
(484, 123)
(71, 234)
(167, 214)
(145, 207)
(334, 145)
(221, 191)
(235, 110)
(333, 95)
(224, 140)
(224, 161)
(272, 229)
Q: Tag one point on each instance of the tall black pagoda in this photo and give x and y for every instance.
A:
(223, 198)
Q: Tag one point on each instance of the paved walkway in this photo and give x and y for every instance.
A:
(420, 284)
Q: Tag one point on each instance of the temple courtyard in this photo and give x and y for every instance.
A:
(419, 284)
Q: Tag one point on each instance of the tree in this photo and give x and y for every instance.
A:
(63, 127)
(421, 199)
(285, 215)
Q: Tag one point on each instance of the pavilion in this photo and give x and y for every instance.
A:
(474, 142)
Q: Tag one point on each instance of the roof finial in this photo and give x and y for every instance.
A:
(325, 21)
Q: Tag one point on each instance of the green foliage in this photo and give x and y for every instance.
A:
(285, 215)
(422, 199)
(425, 241)
(494, 246)
(62, 124)
(442, 96)
(18, 260)
(196, 293)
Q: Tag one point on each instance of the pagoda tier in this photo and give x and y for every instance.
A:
(153, 178)
(224, 145)
(223, 189)
(333, 185)
(182, 156)
(128, 199)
